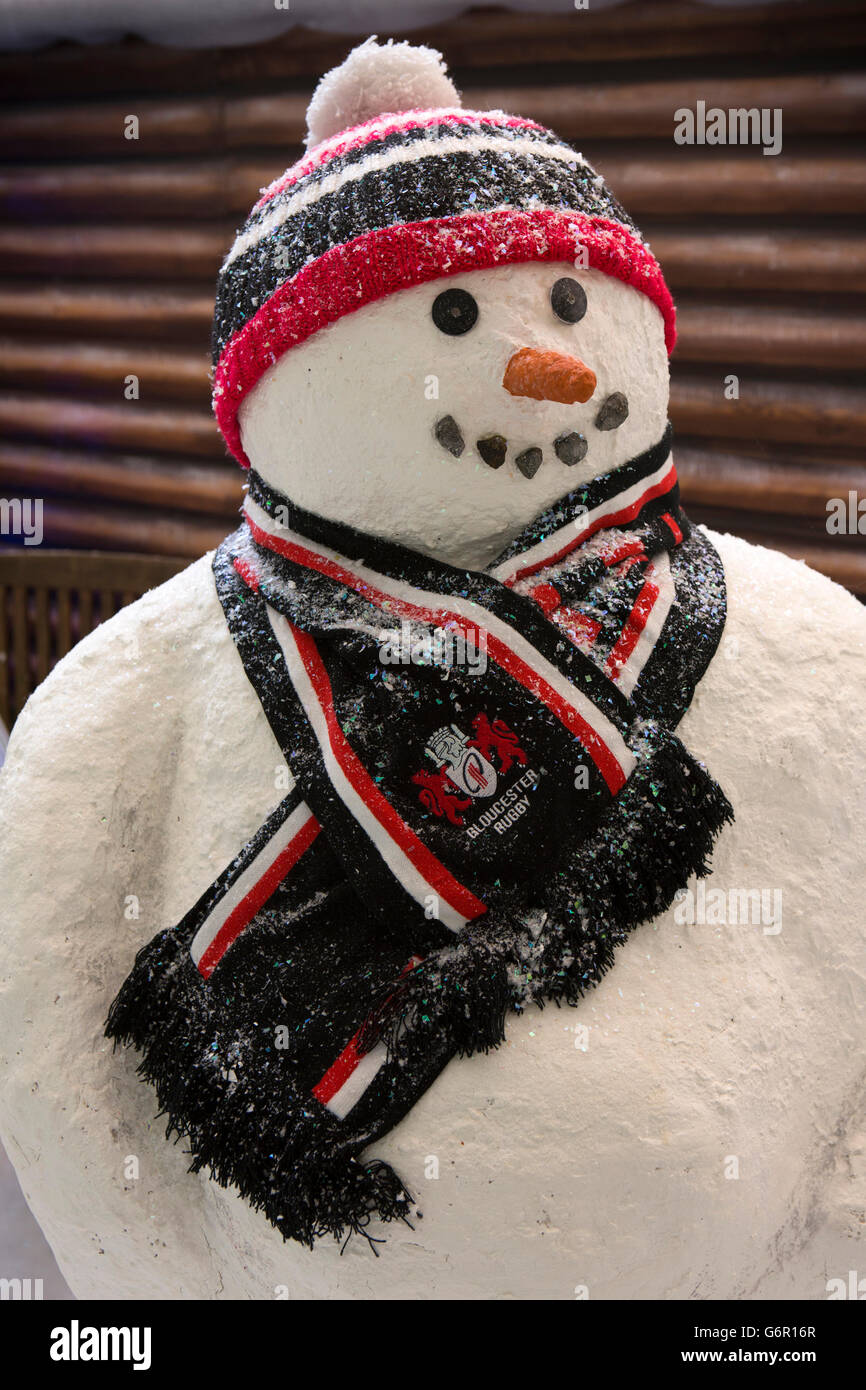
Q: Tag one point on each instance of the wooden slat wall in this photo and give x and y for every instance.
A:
(109, 249)
(50, 599)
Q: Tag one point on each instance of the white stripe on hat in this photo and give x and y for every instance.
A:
(348, 141)
(386, 159)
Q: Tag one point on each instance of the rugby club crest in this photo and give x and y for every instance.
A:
(464, 767)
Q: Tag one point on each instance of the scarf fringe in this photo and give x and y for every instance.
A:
(653, 838)
(658, 833)
(227, 1093)
(283, 1151)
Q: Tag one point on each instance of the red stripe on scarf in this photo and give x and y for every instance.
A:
(504, 657)
(608, 519)
(432, 869)
(635, 624)
(258, 896)
(339, 1072)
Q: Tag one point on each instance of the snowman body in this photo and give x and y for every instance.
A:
(692, 1129)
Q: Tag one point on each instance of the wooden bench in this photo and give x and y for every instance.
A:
(50, 599)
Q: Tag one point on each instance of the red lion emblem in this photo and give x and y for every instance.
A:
(497, 737)
(441, 796)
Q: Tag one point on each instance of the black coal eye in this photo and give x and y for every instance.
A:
(568, 300)
(454, 311)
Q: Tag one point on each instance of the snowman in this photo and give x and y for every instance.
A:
(323, 896)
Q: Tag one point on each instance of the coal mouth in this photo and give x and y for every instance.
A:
(570, 447)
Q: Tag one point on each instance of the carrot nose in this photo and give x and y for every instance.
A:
(548, 376)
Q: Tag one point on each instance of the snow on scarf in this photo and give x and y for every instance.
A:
(486, 796)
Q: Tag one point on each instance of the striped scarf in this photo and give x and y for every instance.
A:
(485, 795)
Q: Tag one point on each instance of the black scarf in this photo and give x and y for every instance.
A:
(485, 796)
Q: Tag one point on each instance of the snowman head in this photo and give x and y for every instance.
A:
(439, 321)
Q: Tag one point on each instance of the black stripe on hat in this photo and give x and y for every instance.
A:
(432, 187)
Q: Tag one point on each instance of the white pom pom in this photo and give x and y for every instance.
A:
(376, 79)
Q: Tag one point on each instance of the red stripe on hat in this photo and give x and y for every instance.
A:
(367, 268)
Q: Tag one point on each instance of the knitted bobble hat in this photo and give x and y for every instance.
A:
(401, 185)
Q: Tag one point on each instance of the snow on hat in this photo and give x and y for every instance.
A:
(400, 185)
